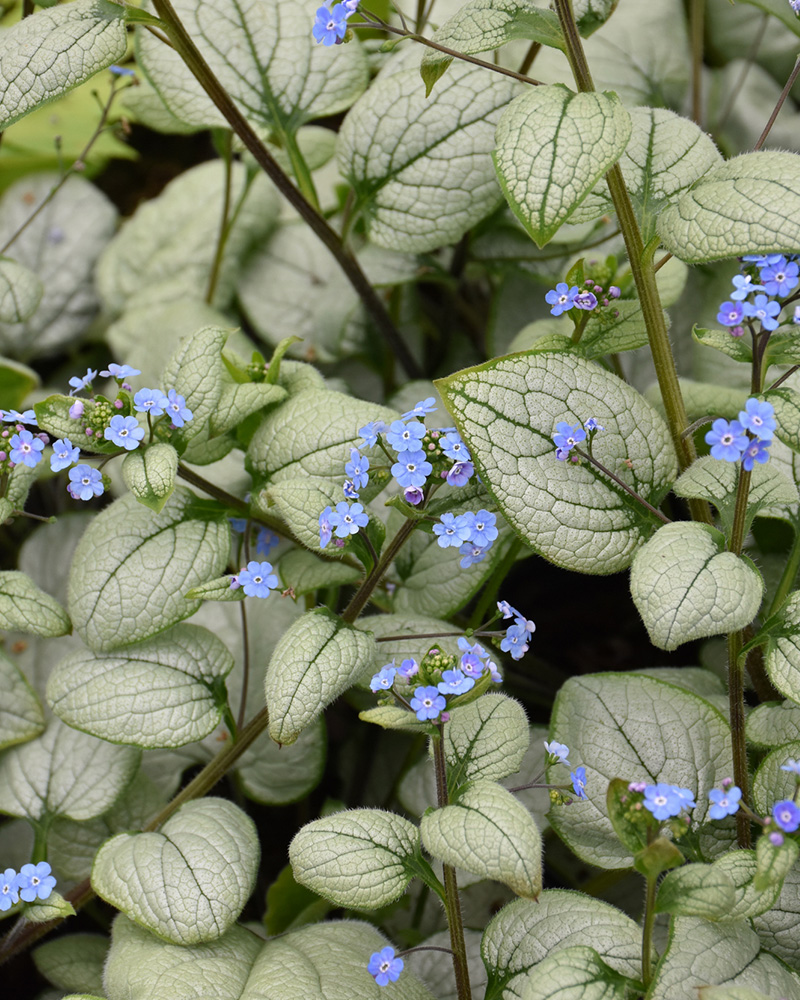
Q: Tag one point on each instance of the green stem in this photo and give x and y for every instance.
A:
(631, 492)
(245, 663)
(362, 595)
(643, 275)
(300, 168)
(224, 227)
(580, 326)
(213, 491)
(452, 901)
(24, 934)
(739, 745)
(647, 930)
(697, 19)
(788, 576)
(40, 834)
(189, 53)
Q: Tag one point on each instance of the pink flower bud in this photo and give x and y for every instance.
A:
(117, 404)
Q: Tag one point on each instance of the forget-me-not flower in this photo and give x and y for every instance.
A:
(427, 703)
(125, 432)
(786, 815)
(406, 437)
(150, 401)
(384, 967)
(258, 579)
(411, 469)
(421, 409)
(26, 449)
(85, 482)
(35, 882)
(177, 409)
(64, 455)
(724, 803)
(727, 439)
(347, 519)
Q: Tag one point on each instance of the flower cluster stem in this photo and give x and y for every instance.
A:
(452, 901)
(362, 595)
(647, 930)
(641, 264)
(183, 44)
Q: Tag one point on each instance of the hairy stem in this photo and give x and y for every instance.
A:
(452, 901)
(628, 490)
(183, 44)
(643, 275)
(362, 595)
(647, 930)
(779, 104)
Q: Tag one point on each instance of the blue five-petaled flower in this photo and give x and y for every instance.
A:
(384, 967)
(125, 432)
(257, 579)
(427, 703)
(26, 449)
(724, 803)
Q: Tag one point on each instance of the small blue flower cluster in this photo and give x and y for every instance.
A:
(564, 297)
(662, 800)
(777, 276)
(257, 579)
(747, 438)
(32, 882)
(422, 459)
(265, 541)
(568, 437)
(473, 534)
(428, 701)
(558, 753)
(330, 26)
(518, 635)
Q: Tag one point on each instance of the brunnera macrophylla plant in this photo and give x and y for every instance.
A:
(462, 293)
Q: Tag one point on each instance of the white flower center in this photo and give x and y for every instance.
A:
(726, 439)
(258, 579)
(660, 800)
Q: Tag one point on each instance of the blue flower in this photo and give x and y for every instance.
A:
(452, 531)
(121, 71)
(119, 372)
(578, 777)
(64, 455)
(427, 703)
(585, 300)
(507, 611)
(483, 530)
(15, 417)
(786, 815)
(454, 448)
(125, 432)
(728, 440)
(791, 765)
(730, 313)
(347, 519)
(357, 469)
(756, 451)
(422, 409)
(150, 401)
(592, 425)
(459, 474)
(266, 540)
(413, 495)
(561, 298)
(764, 310)
(35, 882)
(81, 382)
(331, 25)
(384, 679)
(744, 286)
(515, 641)
(175, 406)
(758, 418)
(472, 554)
(724, 803)
(796, 316)
(567, 437)
(663, 800)
(762, 260)
(780, 278)
(85, 482)
(258, 579)
(558, 750)
(383, 966)
(454, 682)
(349, 490)
(412, 470)
(406, 437)
(325, 527)
(9, 888)
(408, 668)
(471, 662)
(369, 433)
(26, 449)
(76, 410)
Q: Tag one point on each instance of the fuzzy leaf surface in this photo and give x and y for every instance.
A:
(488, 832)
(487, 738)
(64, 773)
(750, 204)
(318, 658)
(506, 411)
(24, 607)
(421, 168)
(686, 585)
(553, 146)
(131, 568)
(21, 716)
(150, 475)
(20, 291)
(263, 54)
(164, 692)
(189, 882)
(360, 858)
(576, 973)
(60, 48)
(645, 729)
